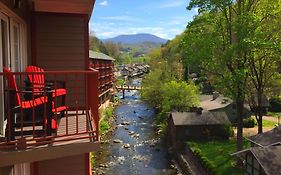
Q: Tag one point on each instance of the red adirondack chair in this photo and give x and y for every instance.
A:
(23, 109)
(38, 81)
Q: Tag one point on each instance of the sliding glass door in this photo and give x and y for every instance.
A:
(4, 62)
(16, 54)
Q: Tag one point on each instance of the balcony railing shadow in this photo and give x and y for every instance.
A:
(40, 118)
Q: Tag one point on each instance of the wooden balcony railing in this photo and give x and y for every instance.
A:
(30, 122)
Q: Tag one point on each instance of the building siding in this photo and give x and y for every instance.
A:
(59, 43)
(74, 165)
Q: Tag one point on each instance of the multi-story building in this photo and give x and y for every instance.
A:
(53, 35)
(104, 64)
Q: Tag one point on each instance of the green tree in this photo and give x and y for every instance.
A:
(113, 50)
(220, 35)
(152, 92)
(264, 55)
(179, 96)
(96, 45)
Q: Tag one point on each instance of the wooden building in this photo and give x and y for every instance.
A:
(219, 103)
(53, 35)
(183, 126)
(263, 160)
(104, 64)
(264, 155)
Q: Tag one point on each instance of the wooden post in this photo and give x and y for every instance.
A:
(123, 91)
(11, 118)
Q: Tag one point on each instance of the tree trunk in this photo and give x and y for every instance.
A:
(239, 108)
(259, 108)
(260, 123)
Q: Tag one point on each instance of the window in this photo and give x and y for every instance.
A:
(4, 28)
(21, 169)
(4, 61)
(13, 51)
(17, 47)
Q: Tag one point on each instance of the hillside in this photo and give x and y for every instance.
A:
(139, 49)
(136, 39)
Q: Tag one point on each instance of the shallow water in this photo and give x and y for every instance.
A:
(134, 126)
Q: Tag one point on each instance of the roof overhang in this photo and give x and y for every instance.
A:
(65, 6)
(51, 152)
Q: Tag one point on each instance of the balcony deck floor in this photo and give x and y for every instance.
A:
(74, 127)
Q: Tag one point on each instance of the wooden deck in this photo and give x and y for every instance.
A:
(70, 139)
(77, 126)
(74, 127)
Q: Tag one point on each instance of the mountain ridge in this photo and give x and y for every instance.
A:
(136, 38)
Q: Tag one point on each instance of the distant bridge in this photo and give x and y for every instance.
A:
(123, 88)
(131, 87)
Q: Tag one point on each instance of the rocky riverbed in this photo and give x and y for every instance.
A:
(133, 147)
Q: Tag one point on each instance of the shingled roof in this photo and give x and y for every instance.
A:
(268, 138)
(269, 158)
(193, 118)
(208, 103)
(100, 56)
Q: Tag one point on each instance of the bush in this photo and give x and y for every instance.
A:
(120, 81)
(249, 123)
(93, 159)
(226, 131)
(104, 126)
(108, 112)
(275, 105)
(205, 161)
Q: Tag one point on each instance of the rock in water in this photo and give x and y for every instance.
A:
(125, 123)
(131, 133)
(117, 141)
(127, 145)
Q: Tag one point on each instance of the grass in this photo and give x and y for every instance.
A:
(218, 153)
(93, 159)
(274, 114)
(267, 123)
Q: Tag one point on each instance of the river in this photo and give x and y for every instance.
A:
(146, 153)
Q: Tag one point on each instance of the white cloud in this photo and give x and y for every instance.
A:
(122, 18)
(103, 30)
(103, 3)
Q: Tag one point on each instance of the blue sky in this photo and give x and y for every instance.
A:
(164, 18)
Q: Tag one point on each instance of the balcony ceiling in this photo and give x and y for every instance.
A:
(65, 6)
